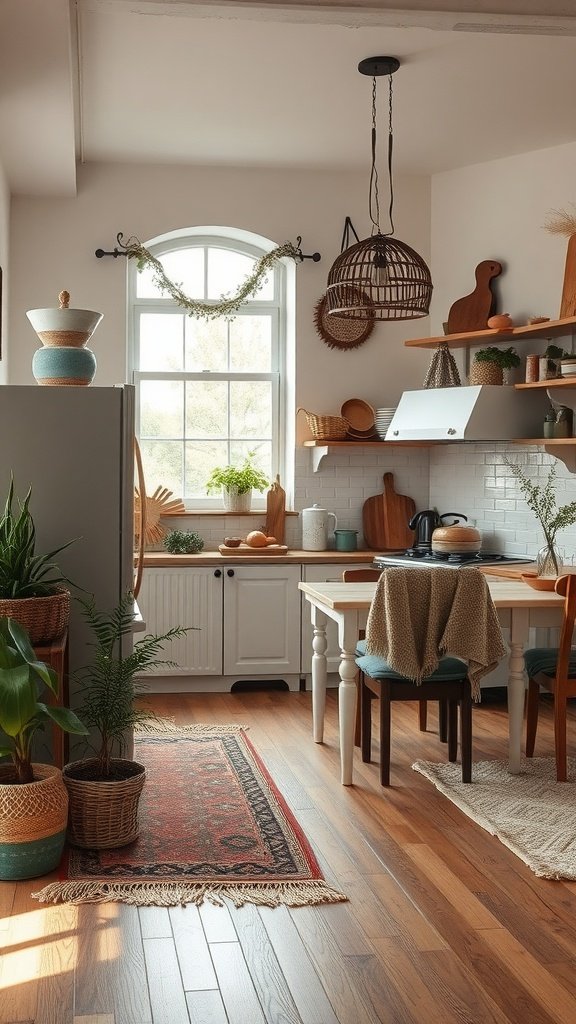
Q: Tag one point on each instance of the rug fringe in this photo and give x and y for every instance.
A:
(167, 727)
(157, 894)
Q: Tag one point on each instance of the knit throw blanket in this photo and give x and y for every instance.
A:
(419, 615)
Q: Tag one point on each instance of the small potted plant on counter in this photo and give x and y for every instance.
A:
(104, 790)
(490, 363)
(33, 799)
(183, 542)
(237, 483)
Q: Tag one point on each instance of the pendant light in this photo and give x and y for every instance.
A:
(380, 277)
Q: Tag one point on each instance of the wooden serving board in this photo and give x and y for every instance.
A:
(509, 572)
(246, 549)
(568, 301)
(385, 519)
(275, 511)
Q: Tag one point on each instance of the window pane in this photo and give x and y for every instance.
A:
(161, 408)
(162, 463)
(228, 270)
(262, 450)
(207, 409)
(250, 409)
(251, 344)
(201, 457)
(206, 345)
(184, 267)
(161, 341)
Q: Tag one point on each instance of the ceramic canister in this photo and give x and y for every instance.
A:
(315, 527)
(64, 365)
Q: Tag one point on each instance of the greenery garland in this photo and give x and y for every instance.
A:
(226, 305)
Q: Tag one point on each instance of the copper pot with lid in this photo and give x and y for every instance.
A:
(456, 539)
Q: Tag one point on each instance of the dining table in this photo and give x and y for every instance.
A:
(519, 606)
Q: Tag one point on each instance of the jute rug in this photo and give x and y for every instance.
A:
(531, 813)
(213, 826)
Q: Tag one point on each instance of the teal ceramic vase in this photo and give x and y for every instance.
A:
(64, 365)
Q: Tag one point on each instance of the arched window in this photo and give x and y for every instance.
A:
(209, 392)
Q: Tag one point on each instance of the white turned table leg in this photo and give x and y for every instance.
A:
(347, 693)
(516, 685)
(319, 673)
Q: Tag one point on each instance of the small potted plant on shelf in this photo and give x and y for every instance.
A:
(551, 362)
(104, 790)
(490, 363)
(32, 588)
(33, 798)
(237, 483)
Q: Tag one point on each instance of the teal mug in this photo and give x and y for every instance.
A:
(346, 540)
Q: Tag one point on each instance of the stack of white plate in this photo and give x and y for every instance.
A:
(383, 420)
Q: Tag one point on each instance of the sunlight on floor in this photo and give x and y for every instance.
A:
(33, 942)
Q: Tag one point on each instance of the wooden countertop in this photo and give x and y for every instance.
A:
(162, 559)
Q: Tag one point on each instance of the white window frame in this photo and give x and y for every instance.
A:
(278, 308)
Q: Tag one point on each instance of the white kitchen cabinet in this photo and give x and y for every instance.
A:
(186, 597)
(321, 574)
(248, 618)
(261, 620)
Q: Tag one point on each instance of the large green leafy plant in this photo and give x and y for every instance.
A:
(22, 713)
(108, 686)
(23, 572)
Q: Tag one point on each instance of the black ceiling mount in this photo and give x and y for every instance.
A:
(375, 66)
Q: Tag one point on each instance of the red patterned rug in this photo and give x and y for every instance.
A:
(212, 825)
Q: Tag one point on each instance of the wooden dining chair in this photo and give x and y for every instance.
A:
(443, 615)
(554, 669)
(372, 576)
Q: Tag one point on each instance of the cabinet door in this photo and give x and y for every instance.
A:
(322, 574)
(262, 620)
(186, 597)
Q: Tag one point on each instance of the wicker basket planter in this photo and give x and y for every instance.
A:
(43, 618)
(32, 822)
(486, 373)
(103, 814)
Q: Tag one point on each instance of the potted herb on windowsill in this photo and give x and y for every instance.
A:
(490, 363)
(104, 789)
(237, 484)
(33, 798)
(33, 590)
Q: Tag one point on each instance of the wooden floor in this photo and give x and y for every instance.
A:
(443, 925)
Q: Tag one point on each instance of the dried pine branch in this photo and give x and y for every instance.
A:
(561, 222)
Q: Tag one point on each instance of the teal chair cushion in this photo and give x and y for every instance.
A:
(377, 668)
(361, 648)
(543, 659)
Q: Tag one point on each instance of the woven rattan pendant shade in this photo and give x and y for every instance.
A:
(379, 278)
(353, 290)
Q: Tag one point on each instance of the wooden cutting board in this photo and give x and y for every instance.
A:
(568, 301)
(385, 519)
(275, 511)
(246, 549)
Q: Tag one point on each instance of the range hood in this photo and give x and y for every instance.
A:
(483, 412)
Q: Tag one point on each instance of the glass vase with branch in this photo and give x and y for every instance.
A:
(541, 500)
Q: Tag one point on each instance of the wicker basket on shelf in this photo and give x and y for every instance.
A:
(326, 428)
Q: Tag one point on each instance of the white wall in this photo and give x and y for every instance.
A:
(54, 243)
(5, 271)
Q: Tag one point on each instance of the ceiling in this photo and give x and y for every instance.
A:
(275, 84)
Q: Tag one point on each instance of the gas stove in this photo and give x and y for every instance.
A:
(416, 557)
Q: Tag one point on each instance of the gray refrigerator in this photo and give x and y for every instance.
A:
(74, 446)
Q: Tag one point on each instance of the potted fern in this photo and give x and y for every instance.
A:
(237, 483)
(33, 590)
(33, 799)
(104, 789)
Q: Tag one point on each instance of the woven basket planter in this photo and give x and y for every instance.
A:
(32, 822)
(486, 373)
(103, 815)
(44, 618)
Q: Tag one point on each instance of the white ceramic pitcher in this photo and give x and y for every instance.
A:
(316, 525)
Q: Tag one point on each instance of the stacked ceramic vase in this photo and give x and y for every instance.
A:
(64, 333)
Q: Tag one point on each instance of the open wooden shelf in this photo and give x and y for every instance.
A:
(549, 329)
(555, 382)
